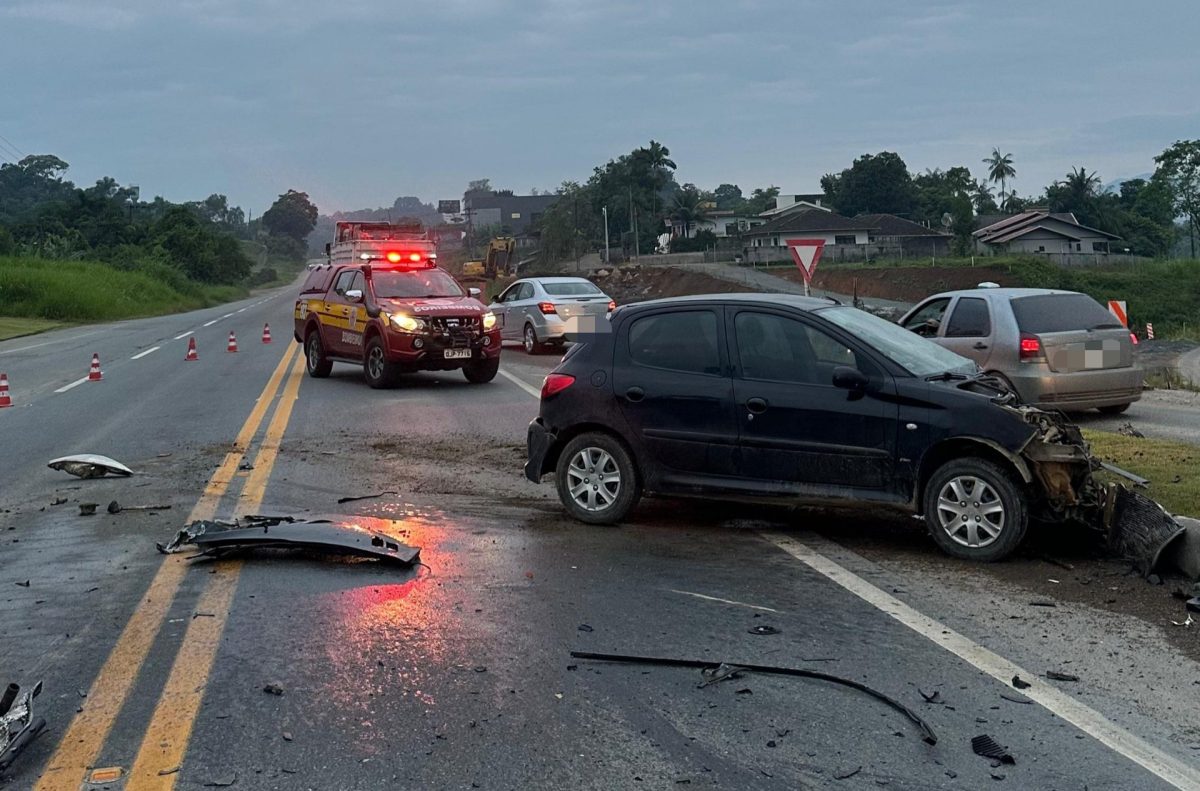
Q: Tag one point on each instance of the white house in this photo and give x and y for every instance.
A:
(1040, 231)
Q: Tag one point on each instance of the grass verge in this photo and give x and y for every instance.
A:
(1172, 467)
(15, 328)
(84, 291)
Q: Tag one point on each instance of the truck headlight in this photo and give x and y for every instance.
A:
(407, 323)
(489, 320)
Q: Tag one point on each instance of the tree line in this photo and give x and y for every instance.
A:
(45, 215)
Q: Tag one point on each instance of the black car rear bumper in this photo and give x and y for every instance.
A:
(539, 440)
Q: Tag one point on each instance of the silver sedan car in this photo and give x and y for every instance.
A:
(1057, 349)
(542, 312)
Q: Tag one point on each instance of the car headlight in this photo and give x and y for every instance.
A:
(408, 323)
(489, 320)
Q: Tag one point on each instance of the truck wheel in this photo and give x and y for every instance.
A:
(596, 480)
(378, 372)
(318, 364)
(975, 510)
(481, 371)
(531, 342)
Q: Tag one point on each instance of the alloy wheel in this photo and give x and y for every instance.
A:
(970, 511)
(375, 362)
(594, 479)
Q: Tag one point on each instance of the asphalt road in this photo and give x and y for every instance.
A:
(457, 674)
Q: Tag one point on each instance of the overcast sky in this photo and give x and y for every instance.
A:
(358, 101)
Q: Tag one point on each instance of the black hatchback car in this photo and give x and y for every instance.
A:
(799, 401)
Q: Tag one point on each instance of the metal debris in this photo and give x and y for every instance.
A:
(89, 465)
(340, 535)
(1020, 683)
(987, 747)
(364, 497)
(115, 508)
(18, 726)
(88, 509)
(763, 630)
(718, 674)
(1126, 429)
(273, 689)
(927, 733)
(1134, 478)
(1054, 675)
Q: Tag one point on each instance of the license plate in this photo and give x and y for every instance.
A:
(458, 354)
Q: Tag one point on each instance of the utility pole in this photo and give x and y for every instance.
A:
(606, 255)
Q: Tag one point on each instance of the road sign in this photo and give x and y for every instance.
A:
(807, 254)
(1118, 309)
(448, 207)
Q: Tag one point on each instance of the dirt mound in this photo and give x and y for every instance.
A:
(637, 284)
(901, 283)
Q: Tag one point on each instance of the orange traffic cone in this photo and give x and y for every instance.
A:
(191, 355)
(266, 333)
(94, 374)
(232, 347)
(5, 400)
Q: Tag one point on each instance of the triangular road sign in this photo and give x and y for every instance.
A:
(807, 254)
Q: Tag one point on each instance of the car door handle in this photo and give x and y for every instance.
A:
(635, 394)
(756, 406)
(979, 345)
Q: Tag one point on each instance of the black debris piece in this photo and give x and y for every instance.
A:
(1020, 683)
(58, 501)
(273, 689)
(583, 627)
(115, 508)
(24, 584)
(87, 509)
(1012, 699)
(245, 466)
(338, 535)
(987, 747)
(719, 673)
(927, 733)
(744, 691)
(934, 697)
(1141, 530)
(763, 630)
(18, 725)
(1042, 604)
(1054, 675)
(352, 498)
(845, 774)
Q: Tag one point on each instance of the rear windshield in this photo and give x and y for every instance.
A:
(583, 288)
(1061, 313)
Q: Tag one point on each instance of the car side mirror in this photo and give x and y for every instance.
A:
(851, 379)
(474, 292)
(354, 295)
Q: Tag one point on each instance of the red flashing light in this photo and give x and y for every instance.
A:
(414, 257)
(393, 257)
(556, 383)
(1031, 347)
(1133, 338)
(612, 305)
(547, 308)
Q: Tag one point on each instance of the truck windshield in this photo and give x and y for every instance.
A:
(428, 283)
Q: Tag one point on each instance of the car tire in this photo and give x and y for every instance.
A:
(597, 502)
(530, 341)
(379, 372)
(481, 371)
(986, 529)
(316, 363)
(1114, 409)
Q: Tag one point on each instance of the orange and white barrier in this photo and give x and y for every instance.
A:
(5, 399)
(94, 374)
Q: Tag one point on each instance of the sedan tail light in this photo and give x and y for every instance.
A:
(547, 308)
(1031, 347)
(556, 383)
(612, 305)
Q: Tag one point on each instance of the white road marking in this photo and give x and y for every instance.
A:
(227, 315)
(76, 383)
(243, 310)
(533, 391)
(140, 355)
(723, 601)
(184, 335)
(214, 321)
(1088, 720)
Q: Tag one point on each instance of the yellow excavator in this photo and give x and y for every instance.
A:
(501, 260)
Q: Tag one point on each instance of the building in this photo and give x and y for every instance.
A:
(1041, 231)
(847, 238)
(792, 203)
(722, 223)
(515, 214)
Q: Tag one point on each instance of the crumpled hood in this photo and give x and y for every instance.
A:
(440, 306)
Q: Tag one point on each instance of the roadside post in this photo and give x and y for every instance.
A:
(807, 254)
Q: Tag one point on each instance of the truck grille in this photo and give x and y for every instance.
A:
(455, 331)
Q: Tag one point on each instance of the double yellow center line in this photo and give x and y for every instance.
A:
(166, 738)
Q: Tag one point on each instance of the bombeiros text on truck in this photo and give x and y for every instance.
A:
(381, 301)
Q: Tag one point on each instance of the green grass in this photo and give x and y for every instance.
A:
(85, 291)
(15, 328)
(270, 270)
(1161, 461)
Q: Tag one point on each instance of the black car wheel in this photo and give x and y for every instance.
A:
(530, 340)
(317, 363)
(481, 371)
(975, 510)
(378, 372)
(596, 479)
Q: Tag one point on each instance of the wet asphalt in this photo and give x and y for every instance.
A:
(456, 673)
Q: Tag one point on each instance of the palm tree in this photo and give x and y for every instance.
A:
(689, 209)
(1000, 168)
(982, 199)
(1081, 185)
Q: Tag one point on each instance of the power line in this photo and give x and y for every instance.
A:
(8, 143)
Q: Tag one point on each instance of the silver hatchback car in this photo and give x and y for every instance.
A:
(1057, 349)
(542, 312)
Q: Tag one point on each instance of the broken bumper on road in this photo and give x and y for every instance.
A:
(539, 440)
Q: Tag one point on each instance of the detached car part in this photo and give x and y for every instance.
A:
(337, 535)
(89, 465)
(18, 726)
